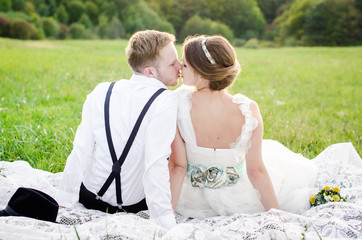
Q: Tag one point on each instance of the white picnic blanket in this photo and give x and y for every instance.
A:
(339, 165)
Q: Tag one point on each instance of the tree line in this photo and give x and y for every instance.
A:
(279, 22)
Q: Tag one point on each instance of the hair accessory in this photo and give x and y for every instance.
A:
(206, 51)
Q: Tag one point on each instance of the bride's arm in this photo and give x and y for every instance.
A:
(177, 166)
(256, 169)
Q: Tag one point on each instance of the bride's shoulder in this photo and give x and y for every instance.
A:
(246, 104)
(241, 99)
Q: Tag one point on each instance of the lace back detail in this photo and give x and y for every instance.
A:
(244, 141)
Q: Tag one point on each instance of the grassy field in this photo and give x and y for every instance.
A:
(310, 98)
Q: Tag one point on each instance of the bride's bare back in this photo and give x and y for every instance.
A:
(217, 121)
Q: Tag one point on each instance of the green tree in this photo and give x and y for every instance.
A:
(316, 23)
(52, 6)
(115, 29)
(354, 19)
(196, 25)
(5, 5)
(4, 27)
(43, 10)
(102, 26)
(63, 31)
(29, 7)
(217, 9)
(185, 9)
(162, 7)
(322, 22)
(244, 18)
(75, 10)
(37, 3)
(41, 34)
(84, 19)
(109, 9)
(92, 11)
(358, 5)
(36, 20)
(270, 8)
(344, 22)
(21, 29)
(50, 27)
(99, 3)
(291, 23)
(76, 31)
(140, 17)
(61, 15)
(18, 5)
(18, 15)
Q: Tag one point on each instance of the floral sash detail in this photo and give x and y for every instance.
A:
(213, 177)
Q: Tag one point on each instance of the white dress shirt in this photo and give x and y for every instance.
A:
(145, 171)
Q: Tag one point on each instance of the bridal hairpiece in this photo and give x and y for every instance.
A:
(206, 51)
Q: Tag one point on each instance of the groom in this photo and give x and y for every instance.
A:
(99, 172)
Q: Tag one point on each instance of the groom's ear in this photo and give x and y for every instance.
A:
(150, 72)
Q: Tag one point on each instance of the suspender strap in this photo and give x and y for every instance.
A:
(116, 168)
(111, 149)
(106, 120)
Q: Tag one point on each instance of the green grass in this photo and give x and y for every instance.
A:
(309, 97)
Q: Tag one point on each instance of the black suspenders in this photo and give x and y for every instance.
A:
(117, 164)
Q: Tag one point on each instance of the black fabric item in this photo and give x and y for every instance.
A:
(117, 164)
(106, 121)
(28, 202)
(88, 199)
(3, 213)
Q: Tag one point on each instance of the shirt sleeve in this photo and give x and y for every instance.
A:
(82, 153)
(160, 134)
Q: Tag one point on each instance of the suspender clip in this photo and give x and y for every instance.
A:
(98, 197)
(119, 206)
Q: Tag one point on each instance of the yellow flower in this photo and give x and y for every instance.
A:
(327, 188)
(312, 199)
(336, 189)
(336, 198)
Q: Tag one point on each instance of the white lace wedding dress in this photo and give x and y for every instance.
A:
(339, 165)
(217, 183)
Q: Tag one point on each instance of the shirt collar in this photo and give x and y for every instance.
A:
(142, 79)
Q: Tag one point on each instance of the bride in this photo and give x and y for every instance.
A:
(220, 164)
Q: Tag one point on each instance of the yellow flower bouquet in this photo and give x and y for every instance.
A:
(327, 194)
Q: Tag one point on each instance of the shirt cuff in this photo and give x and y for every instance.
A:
(167, 221)
(66, 199)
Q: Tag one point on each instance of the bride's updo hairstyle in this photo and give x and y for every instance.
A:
(213, 58)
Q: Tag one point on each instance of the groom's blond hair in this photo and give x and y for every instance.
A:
(144, 47)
